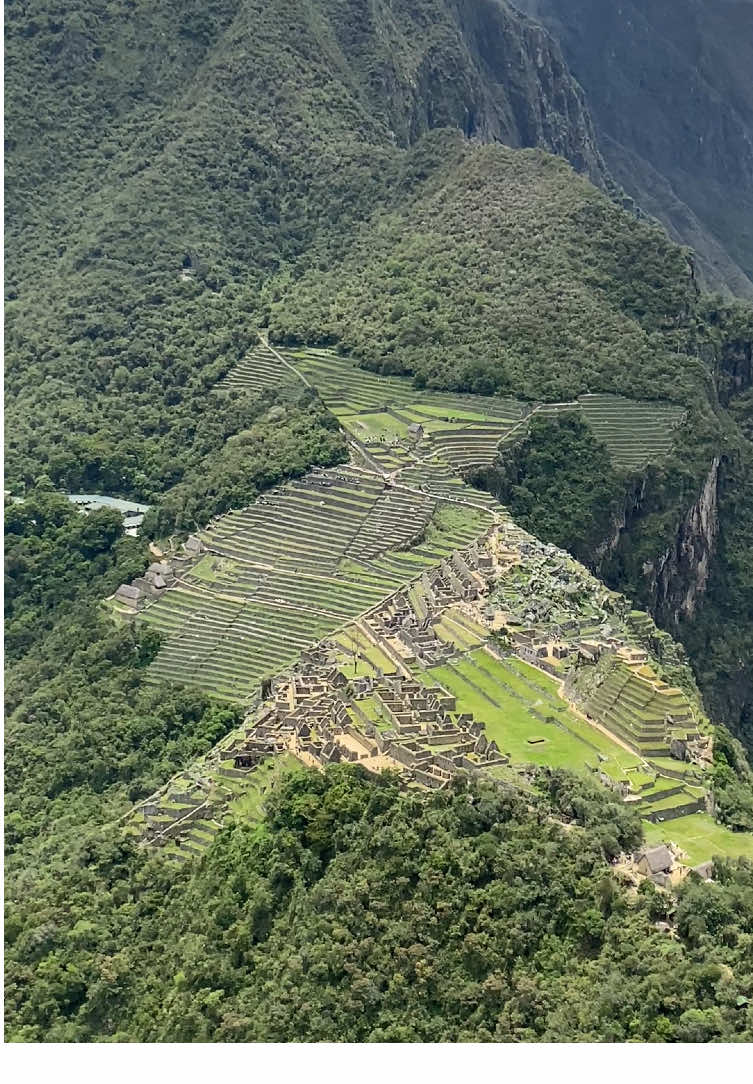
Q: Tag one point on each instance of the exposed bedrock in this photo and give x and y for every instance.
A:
(668, 577)
(679, 576)
(477, 65)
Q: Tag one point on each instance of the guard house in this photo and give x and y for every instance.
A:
(656, 863)
(128, 595)
(415, 431)
(193, 545)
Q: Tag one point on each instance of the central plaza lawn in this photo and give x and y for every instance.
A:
(512, 727)
(701, 838)
(519, 675)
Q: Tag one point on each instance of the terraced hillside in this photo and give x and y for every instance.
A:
(388, 613)
(296, 565)
(463, 431)
(633, 432)
(442, 675)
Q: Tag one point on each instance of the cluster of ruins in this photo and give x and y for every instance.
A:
(530, 599)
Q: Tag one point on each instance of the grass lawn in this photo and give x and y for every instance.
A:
(451, 414)
(374, 712)
(450, 517)
(364, 575)
(209, 568)
(701, 838)
(448, 631)
(512, 727)
(674, 765)
(461, 618)
(352, 670)
(373, 426)
(549, 688)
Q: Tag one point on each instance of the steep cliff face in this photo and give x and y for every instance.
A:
(668, 83)
(477, 65)
(735, 369)
(678, 578)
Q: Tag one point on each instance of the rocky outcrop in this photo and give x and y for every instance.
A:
(670, 583)
(678, 577)
(476, 65)
(735, 370)
(632, 503)
(668, 84)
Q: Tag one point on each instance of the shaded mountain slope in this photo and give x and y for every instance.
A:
(669, 87)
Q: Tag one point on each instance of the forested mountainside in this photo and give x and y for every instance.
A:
(361, 914)
(668, 85)
(318, 167)
(420, 184)
(252, 139)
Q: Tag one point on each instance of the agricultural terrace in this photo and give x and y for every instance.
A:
(634, 432)
(199, 812)
(299, 564)
(257, 371)
(313, 561)
(380, 413)
(467, 430)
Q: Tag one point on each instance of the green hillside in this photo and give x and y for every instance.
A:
(506, 272)
(653, 70)
(391, 920)
(340, 748)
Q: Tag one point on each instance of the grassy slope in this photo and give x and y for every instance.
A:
(700, 837)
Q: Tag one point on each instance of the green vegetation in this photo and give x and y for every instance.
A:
(160, 209)
(179, 177)
(719, 638)
(250, 807)
(85, 738)
(733, 782)
(56, 557)
(422, 917)
(419, 294)
(285, 441)
(558, 483)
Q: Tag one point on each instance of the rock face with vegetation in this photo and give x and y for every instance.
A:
(668, 85)
(420, 185)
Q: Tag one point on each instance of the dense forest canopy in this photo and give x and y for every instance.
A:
(465, 916)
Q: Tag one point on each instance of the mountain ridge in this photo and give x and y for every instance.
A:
(666, 86)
